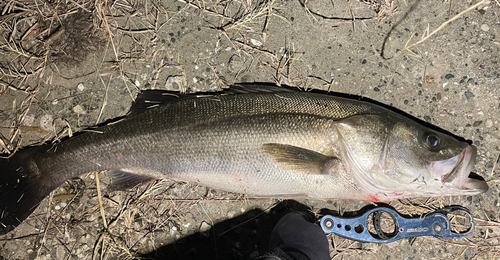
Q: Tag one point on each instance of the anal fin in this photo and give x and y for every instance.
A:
(295, 158)
(124, 179)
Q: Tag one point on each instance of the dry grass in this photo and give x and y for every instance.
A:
(29, 30)
(427, 34)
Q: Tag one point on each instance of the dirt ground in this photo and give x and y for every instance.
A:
(69, 65)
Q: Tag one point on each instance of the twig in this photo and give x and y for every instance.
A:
(482, 2)
(98, 184)
(495, 165)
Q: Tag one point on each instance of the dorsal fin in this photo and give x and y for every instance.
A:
(152, 98)
(245, 88)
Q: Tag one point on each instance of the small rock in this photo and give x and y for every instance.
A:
(236, 63)
(427, 119)
(485, 27)
(449, 76)
(469, 95)
(477, 123)
(256, 42)
(204, 229)
(489, 165)
(46, 122)
(176, 83)
(230, 214)
(471, 82)
(468, 253)
(79, 110)
(80, 87)
(489, 123)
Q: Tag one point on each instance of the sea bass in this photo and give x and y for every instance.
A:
(267, 142)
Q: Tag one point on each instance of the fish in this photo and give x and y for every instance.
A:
(265, 141)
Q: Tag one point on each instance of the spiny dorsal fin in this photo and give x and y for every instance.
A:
(152, 98)
(291, 157)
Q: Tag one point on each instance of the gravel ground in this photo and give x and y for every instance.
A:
(66, 66)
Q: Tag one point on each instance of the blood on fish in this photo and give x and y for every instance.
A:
(373, 198)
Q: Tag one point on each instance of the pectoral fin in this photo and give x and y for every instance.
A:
(295, 158)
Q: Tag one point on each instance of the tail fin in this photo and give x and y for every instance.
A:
(22, 188)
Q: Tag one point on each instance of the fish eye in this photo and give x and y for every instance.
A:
(432, 141)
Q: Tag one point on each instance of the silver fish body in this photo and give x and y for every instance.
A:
(263, 143)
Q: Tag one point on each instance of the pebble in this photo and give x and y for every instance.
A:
(469, 95)
(449, 76)
(477, 123)
(485, 27)
(175, 83)
(204, 227)
(489, 123)
(236, 64)
(79, 110)
(256, 42)
(427, 119)
(468, 253)
(80, 87)
(46, 122)
(471, 82)
(489, 165)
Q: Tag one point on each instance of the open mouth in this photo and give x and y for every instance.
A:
(457, 172)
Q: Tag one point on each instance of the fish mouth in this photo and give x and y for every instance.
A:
(457, 172)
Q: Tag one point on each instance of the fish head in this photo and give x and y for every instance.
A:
(402, 158)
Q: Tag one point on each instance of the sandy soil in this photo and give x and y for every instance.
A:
(69, 65)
